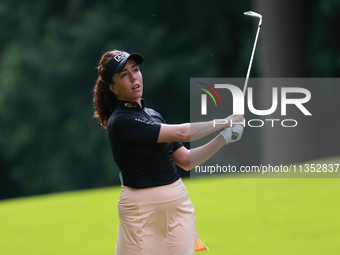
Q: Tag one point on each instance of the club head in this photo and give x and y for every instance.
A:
(254, 14)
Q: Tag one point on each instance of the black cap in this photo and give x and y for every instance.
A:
(117, 64)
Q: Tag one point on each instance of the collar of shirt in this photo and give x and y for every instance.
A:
(127, 104)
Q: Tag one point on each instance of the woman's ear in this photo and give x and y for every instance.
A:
(112, 88)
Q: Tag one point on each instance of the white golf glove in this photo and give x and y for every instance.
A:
(227, 133)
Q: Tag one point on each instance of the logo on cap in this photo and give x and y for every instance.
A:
(120, 56)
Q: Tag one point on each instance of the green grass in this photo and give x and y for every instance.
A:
(234, 216)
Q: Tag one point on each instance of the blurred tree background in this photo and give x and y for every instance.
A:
(49, 50)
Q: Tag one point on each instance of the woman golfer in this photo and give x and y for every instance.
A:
(156, 217)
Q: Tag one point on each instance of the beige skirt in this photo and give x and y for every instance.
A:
(157, 221)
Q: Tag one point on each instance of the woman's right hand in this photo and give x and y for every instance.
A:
(227, 133)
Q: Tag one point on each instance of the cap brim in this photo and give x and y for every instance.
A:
(137, 57)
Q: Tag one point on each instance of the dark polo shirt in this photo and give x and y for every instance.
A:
(133, 132)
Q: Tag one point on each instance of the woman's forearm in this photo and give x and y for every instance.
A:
(199, 130)
(194, 131)
(201, 154)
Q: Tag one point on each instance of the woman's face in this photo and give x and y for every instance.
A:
(128, 84)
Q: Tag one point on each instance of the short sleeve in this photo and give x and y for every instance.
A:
(176, 146)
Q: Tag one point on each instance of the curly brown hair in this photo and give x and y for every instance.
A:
(104, 100)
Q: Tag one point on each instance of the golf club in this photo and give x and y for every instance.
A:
(256, 15)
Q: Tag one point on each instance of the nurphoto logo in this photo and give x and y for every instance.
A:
(238, 103)
(204, 97)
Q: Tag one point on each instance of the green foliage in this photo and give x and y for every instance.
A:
(48, 54)
(323, 45)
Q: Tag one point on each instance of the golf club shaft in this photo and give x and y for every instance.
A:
(235, 135)
(251, 62)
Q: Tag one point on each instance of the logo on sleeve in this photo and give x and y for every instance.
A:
(145, 121)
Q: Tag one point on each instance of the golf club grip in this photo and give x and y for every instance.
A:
(234, 136)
